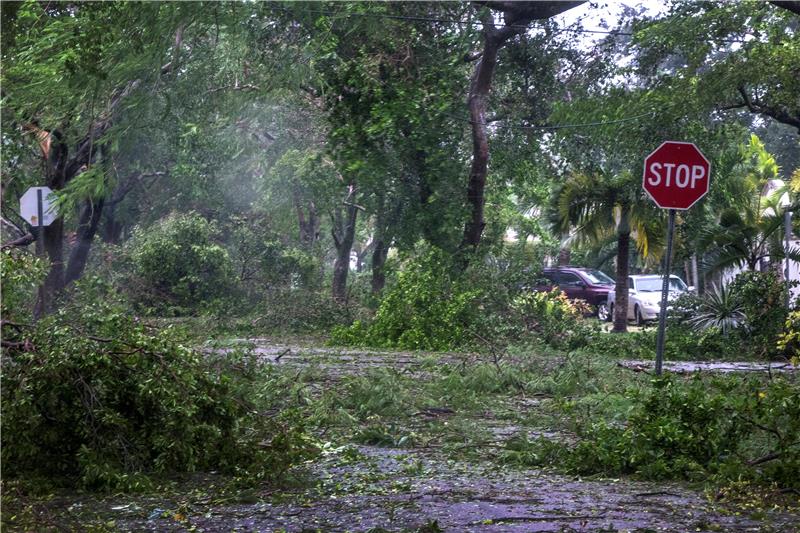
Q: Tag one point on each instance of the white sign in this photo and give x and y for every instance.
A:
(29, 206)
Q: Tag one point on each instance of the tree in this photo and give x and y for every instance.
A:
(594, 207)
(748, 230)
(725, 56)
(68, 70)
(516, 17)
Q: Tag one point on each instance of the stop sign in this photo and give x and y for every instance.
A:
(676, 175)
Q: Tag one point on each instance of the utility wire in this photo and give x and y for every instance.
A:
(479, 23)
(559, 126)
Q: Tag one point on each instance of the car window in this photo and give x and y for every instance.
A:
(654, 284)
(631, 284)
(568, 280)
(598, 278)
(549, 277)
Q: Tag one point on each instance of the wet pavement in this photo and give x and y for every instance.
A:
(365, 488)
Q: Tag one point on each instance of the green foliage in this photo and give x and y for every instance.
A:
(789, 339)
(554, 318)
(719, 308)
(727, 428)
(180, 264)
(20, 274)
(762, 296)
(262, 260)
(100, 400)
(428, 308)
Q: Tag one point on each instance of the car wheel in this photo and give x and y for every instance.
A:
(603, 313)
(637, 316)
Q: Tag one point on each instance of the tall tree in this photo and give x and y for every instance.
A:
(516, 18)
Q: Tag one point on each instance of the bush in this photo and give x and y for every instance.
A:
(789, 340)
(99, 399)
(262, 260)
(435, 305)
(428, 308)
(763, 297)
(554, 317)
(180, 264)
(20, 275)
(727, 428)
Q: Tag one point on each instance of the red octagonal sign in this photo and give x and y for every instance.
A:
(676, 175)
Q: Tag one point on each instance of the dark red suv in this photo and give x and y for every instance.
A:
(584, 283)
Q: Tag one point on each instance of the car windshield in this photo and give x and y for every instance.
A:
(598, 278)
(654, 284)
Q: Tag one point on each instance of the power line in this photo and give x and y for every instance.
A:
(560, 126)
(454, 21)
(479, 23)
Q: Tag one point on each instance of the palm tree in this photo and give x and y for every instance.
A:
(598, 206)
(748, 230)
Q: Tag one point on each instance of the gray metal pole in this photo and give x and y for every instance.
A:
(39, 226)
(662, 315)
(787, 222)
(41, 304)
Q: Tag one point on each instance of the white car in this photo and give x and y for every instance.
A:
(644, 296)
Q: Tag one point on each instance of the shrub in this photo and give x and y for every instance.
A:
(789, 340)
(263, 260)
(20, 275)
(428, 308)
(98, 399)
(726, 428)
(763, 296)
(554, 318)
(720, 309)
(180, 264)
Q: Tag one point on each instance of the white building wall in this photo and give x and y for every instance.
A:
(794, 271)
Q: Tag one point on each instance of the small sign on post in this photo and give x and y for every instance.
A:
(676, 176)
(32, 201)
(38, 207)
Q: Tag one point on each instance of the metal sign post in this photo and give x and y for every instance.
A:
(676, 176)
(39, 224)
(662, 315)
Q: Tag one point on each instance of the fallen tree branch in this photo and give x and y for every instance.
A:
(632, 368)
(25, 240)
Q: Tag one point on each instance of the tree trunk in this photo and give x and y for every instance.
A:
(307, 220)
(478, 95)
(343, 237)
(379, 254)
(564, 256)
(112, 228)
(87, 227)
(54, 157)
(621, 290)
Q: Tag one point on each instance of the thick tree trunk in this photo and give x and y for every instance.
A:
(478, 95)
(343, 237)
(87, 227)
(621, 290)
(54, 156)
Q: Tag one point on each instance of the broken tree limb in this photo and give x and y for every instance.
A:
(25, 240)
